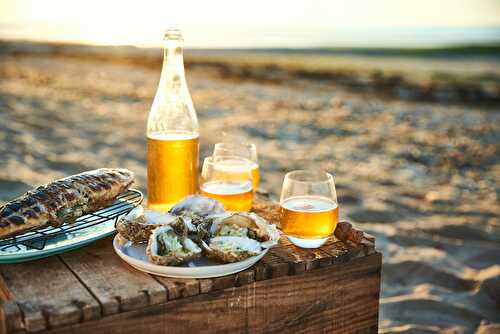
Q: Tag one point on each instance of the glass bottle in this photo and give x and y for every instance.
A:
(172, 132)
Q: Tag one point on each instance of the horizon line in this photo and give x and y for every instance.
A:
(436, 47)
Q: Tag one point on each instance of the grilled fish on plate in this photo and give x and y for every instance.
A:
(64, 200)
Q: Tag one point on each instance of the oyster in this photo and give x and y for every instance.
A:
(166, 247)
(228, 249)
(137, 225)
(196, 214)
(198, 206)
(245, 225)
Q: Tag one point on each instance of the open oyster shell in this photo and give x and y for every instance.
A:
(166, 247)
(137, 225)
(228, 249)
(196, 214)
(200, 206)
(245, 225)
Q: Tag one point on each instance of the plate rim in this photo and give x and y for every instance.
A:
(143, 265)
(39, 254)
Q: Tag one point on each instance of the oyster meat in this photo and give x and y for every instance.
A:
(138, 224)
(228, 249)
(245, 225)
(196, 214)
(166, 247)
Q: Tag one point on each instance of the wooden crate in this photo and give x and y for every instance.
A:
(333, 289)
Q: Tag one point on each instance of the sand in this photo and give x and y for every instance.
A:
(422, 177)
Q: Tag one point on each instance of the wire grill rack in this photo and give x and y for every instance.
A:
(37, 239)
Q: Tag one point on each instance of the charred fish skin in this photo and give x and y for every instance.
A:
(64, 200)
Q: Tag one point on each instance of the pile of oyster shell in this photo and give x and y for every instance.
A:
(197, 226)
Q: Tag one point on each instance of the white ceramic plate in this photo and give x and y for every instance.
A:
(135, 255)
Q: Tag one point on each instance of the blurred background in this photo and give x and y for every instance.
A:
(400, 99)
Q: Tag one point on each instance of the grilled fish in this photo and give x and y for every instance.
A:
(64, 200)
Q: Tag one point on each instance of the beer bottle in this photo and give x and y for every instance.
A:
(172, 132)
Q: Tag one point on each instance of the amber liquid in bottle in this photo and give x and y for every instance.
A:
(309, 217)
(172, 168)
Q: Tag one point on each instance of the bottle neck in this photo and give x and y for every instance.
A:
(173, 77)
(172, 109)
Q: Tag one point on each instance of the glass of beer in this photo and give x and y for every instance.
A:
(228, 180)
(309, 210)
(246, 151)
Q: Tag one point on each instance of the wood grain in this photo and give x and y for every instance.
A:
(11, 318)
(222, 312)
(5, 293)
(300, 259)
(224, 282)
(178, 287)
(339, 251)
(318, 303)
(117, 286)
(48, 294)
(260, 271)
(205, 285)
(245, 277)
(337, 299)
(275, 266)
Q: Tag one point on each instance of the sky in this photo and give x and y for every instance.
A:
(256, 23)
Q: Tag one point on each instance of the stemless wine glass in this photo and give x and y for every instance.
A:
(228, 180)
(309, 209)
(247, 151)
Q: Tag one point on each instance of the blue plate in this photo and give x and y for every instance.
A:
(85, 230)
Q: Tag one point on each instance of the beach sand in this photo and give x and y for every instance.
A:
(422, 177)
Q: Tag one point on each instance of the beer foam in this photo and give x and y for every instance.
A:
(235, 166)
(227, 188)
(173, 135)
(309, 204)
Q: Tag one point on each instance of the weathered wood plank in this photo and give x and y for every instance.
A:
(5, 294)
(116, 285)
(300, 259)
(48, 294)
(224, 282)
(245, 277)
(275, 266)
(178, 287)
(206, 285)
(260, 270)
(338, 250)
(330, 299)
(219, 311)
(295, 265)
(11, 318)
(344, 251)
(356, 306)
(337, 299)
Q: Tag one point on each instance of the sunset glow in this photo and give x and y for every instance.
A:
(240, 24)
